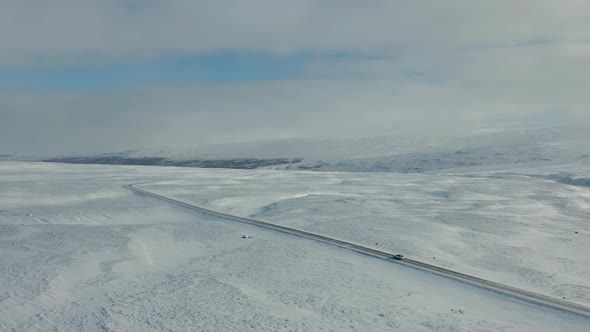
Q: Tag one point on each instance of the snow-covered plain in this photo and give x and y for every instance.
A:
(527, 227)
(79, 252)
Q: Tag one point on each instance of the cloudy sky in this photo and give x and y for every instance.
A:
(107, 75)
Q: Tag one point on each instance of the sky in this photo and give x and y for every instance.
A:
(92, 76)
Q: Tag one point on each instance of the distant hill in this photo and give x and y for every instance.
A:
(417, 152)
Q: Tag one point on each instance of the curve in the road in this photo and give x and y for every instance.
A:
(513, 292)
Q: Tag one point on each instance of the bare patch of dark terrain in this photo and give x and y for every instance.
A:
(565, 178)
(237, 163)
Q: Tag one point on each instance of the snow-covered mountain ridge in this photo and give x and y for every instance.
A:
(409, 153)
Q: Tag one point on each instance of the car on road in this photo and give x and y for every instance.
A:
(398, 257)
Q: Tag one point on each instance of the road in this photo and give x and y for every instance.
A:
(505, 290)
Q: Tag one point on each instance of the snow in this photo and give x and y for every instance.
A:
(405, 152)
(507, 224)
(79, 252)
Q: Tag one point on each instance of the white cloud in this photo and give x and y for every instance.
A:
(408, 64)
(216, 113)
(65, 31)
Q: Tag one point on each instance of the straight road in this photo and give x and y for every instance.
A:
(509, 291)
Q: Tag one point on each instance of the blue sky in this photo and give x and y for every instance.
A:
(218, 67)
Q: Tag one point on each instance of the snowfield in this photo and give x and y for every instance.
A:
(410, 152)
(80, 252)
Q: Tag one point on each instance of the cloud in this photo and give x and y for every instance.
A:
(199, 114)
(370, 67)
(88, 31)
